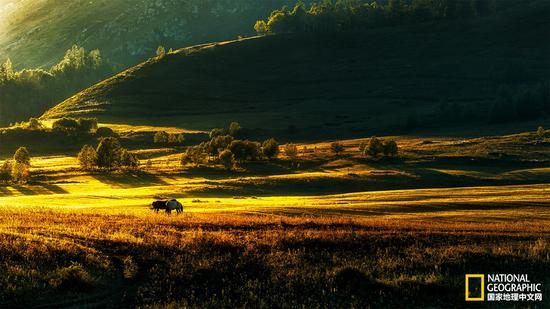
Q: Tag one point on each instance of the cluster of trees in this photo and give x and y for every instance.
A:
(109, 155)
(30, 92)
(329, 16)
(162, 137)
(376, 148)
(224, 148)
(18, 168)
(71, 126)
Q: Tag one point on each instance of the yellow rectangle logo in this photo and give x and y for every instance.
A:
(475, 291)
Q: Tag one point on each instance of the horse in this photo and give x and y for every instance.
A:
(173, 204)
(159, 205)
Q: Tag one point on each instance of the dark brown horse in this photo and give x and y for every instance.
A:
(158, 205)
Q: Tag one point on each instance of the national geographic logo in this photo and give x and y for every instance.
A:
(502, 287)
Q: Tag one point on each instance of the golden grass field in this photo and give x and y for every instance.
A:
(376, 234)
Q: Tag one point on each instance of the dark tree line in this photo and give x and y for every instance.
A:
(30, 92)
(329, 16)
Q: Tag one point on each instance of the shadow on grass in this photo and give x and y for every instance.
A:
(41, 189)
(4, 191)
(129, 180)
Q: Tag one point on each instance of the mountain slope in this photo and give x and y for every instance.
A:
(351, 83)
(37, 32)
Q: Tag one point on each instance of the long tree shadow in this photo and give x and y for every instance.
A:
(54, 189)
(130, 180)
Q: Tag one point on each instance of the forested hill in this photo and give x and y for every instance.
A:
(461, 72)
(36, 33)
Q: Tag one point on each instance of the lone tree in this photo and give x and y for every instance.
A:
(21, 166)
(227, 158)
(374, 148)
(390, 148)
(161, 51)
(337, 148)
(109, 153)
(270, 148)
(22, 156)
(234, 129)
(87, 157)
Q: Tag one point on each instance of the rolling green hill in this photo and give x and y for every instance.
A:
(35, 33)
(432, 75)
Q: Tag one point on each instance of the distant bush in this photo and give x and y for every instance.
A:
(162, 137)
(291, 151)
(106, 132)
(234, 129)
(270, 148)
(34, 124)
(542, 133)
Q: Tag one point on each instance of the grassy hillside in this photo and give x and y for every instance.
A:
(37, 32)
(345, 84)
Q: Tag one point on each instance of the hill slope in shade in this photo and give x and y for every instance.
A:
(37, 32)
(350, 83)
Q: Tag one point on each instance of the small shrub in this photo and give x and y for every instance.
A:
(270, 148)
(541, 132)
(291, 151)
(161, 137)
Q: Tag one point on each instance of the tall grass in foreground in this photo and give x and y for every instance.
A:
(236, 260)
